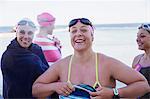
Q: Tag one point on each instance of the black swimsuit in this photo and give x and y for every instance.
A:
(145, 71)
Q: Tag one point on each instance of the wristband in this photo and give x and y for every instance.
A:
(116, 93)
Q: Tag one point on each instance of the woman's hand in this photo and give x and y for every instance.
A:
(102, 93)
(64, 88)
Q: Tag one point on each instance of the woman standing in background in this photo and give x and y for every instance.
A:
(49, 43)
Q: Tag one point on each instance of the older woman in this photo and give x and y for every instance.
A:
(141, 62)
(87, 73)
(22, 62)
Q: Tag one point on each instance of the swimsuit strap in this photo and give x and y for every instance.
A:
(140, 58)
(69, 69)
(96, 65)
(138, 65)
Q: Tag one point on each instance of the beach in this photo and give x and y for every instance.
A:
(119, 43)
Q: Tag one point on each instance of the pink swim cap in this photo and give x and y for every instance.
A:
(45, 19)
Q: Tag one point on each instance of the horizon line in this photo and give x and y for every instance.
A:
(102, 24)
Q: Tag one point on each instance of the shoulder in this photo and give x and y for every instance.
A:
(59, 67)
(110, 63)
(7, 59)
(106, 59)
(136, 60)
(62, 63)
(6, 54)
(35, 46)
(36, 49)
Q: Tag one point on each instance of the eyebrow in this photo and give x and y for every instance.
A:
(73, 27)
(21, 30)
(30, 32)
(84, 26)
(141, 34)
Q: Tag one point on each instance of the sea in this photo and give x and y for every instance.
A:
(114, 40)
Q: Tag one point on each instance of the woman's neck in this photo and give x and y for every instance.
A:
(42, 34)
(147, 54)
(45, 32)
(84, 56)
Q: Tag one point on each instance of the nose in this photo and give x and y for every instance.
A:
(26, 35)
(137, 39)
(79, 33)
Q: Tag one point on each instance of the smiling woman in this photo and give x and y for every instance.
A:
(141, 62)
(25, 32)
(18, 65)
(85, 67)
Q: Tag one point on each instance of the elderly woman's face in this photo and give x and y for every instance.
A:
(25, 35)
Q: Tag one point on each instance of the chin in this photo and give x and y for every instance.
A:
(79, 49)
(25, 46)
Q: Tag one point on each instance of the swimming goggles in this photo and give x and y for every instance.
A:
(82, 20)
(145, 27)
(25, 22)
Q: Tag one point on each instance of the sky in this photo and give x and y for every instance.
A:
(98, 11)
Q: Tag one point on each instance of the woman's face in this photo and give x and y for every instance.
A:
(25, 35)
(143, 39)
(81, 36)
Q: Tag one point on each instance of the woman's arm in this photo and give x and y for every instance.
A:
(43, 86)
(136, 83)
(48, 83)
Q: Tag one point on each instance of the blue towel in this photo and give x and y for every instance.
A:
(20, 68)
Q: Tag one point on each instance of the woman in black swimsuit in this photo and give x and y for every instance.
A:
(141, 62)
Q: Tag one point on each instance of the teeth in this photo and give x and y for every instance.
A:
(79, 40)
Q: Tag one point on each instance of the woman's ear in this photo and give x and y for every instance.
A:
(92, 33)
(92, 36)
